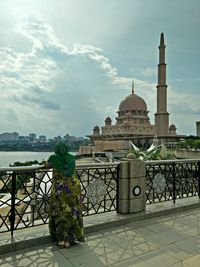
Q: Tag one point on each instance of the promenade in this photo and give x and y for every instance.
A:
(163, 235)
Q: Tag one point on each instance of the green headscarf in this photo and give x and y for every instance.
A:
(62, 161)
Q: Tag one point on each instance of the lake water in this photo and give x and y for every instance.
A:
(10, 157)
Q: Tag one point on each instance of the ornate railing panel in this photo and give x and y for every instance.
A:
(171, 180)
(24, 193)
(24, 197)
(99, 187)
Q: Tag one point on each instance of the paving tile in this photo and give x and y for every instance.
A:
(135, 262)
(167, 237)
(116, 257)
(153, 259)
(193, 261)
(187, 220)
(40, 249)
(51, 259)
(169, 217)
(86, 260)
(158, 258)
(158, 227)
(119, 244)
(180, 264)
(170, 223)
(191, 245)
(196, 240)
(17, 263)
(190, 230)
(75, 250)
(30, 251)
(35, 256)
(16, 260)
(177, 252)
(144, 231)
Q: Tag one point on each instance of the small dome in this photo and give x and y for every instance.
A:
(108, 119)
(133, 102)
(96, 130)
(96, 127)
(172, 127)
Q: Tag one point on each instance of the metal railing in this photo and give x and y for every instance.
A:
(171, 180)
(25, 191)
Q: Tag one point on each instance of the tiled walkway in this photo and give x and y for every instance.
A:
(170, 240)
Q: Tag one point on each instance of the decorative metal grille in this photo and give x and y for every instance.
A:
(24, 194)
(24, 198)
(167, 180)
(159, 183)
(99, 188)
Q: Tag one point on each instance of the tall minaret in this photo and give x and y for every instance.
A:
(162, 116)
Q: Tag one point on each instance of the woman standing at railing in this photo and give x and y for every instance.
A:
(65, 215)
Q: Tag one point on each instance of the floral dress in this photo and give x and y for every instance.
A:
(65, 215)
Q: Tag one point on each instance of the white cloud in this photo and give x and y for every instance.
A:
(148, 72)
(123, 82)
(185, 102)
(184, 110)
(43, 83)
(52, 89)
(95, 53)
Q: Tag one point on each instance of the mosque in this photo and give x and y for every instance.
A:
(132, 121)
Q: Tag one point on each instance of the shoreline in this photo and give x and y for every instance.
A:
(33, 151)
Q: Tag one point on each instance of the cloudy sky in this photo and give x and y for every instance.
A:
(66, 64)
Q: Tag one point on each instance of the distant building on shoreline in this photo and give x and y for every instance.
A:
(42, 138)
(32, 137)
(132, 121)
(9, 137)
(198, 128)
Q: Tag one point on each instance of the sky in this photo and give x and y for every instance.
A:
(66, 65)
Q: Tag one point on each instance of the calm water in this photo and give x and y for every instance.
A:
(10, 157)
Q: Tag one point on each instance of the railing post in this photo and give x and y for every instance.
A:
(12, 210)
(117, 193)
(131, 186)
(123, 188)
(174, 181)
(199, 177)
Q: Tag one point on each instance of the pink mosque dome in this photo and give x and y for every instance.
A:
(132, 102)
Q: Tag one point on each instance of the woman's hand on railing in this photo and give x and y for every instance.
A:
(47, 165)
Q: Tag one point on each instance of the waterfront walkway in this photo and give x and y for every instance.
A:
(164, 235)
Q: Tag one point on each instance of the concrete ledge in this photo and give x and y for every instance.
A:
(144, 215)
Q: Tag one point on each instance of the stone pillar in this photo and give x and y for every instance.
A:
(131, 197)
